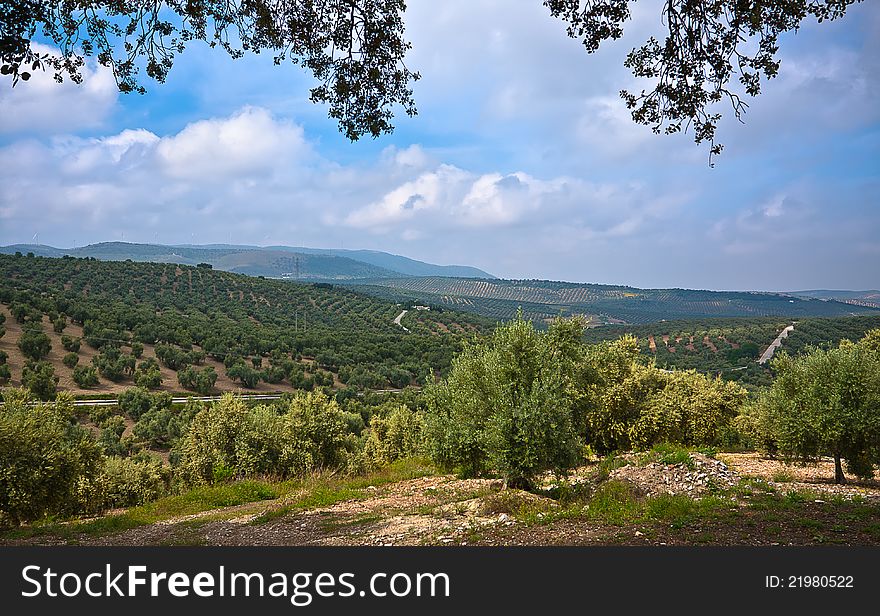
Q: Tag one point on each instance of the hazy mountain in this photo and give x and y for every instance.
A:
(858, 298)
(277, 261)
(396, 263)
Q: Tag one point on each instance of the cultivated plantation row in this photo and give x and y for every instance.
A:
(541, 299)
(96, 325)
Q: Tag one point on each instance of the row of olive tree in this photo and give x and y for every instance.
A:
(823, 403)
(524, 402)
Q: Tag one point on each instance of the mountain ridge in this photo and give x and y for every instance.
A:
(271, 261)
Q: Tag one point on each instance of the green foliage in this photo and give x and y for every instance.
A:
(59, 323)
(70, 343)
(506, 405)
(397, 435)
(200, 381)
(43, 459)
(70, 360)
(110, 438)
(161, 427)
(148, 375)
(5, 373)
(39, 377)
(127, 482)
(136, 401)
(323, 425)
(691, 409)
(113, 364)
(616, 389)
(34, 344)
(826, 403)
(85, 376)
(229, 439)
(245, 374)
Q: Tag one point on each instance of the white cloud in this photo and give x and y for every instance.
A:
(43, 106)
(248, 143)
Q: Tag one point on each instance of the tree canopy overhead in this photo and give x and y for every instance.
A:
(356, 48)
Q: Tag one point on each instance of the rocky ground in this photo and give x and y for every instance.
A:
(736, 499)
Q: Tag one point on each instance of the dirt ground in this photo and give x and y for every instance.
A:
(444, 510)
(817, 477)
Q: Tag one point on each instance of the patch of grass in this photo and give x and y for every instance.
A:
(194, 501)
(322, 491)
(810, 523)
(614, 502)
(317, 491)
(669, 453)
(608, 464)
(522, 505)
(679, 510)
(783, 476)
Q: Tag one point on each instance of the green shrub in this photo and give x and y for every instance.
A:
(85, 376)
(398, 435)
(200, 381)
(127, 482)
(160, 428)
(506, 405)
(39, 377)
(110, 437)
(34, 344)
(229, 439)
(43, 459)
(615, 390)
(70, 360)
(113, 364)
(691, 409)
(136, 401)
(70, 343)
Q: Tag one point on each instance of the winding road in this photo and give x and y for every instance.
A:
(397, 320)
(768, 354)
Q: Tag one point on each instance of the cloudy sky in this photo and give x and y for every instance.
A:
(522, 161)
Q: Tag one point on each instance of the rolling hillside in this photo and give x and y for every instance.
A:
(603, 304)
(283, 333)
(272, 262)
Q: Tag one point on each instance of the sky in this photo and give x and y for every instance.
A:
(522, 160)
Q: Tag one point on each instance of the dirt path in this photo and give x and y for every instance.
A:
(768, 354)
(397, 320)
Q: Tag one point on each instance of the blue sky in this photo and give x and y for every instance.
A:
(522, 161)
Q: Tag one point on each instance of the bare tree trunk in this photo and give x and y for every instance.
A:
(838, 470)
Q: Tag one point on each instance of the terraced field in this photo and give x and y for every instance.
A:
(603, 304)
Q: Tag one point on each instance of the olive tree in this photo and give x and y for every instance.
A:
(44, 457)
(827, 402)
(507, 405)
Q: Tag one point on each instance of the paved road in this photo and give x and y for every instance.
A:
(768, 354)
(397, 320)
(114, 402)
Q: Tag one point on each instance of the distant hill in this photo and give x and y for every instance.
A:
(275, 262)
(397, 263)
(858, 298)
(603, 304)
